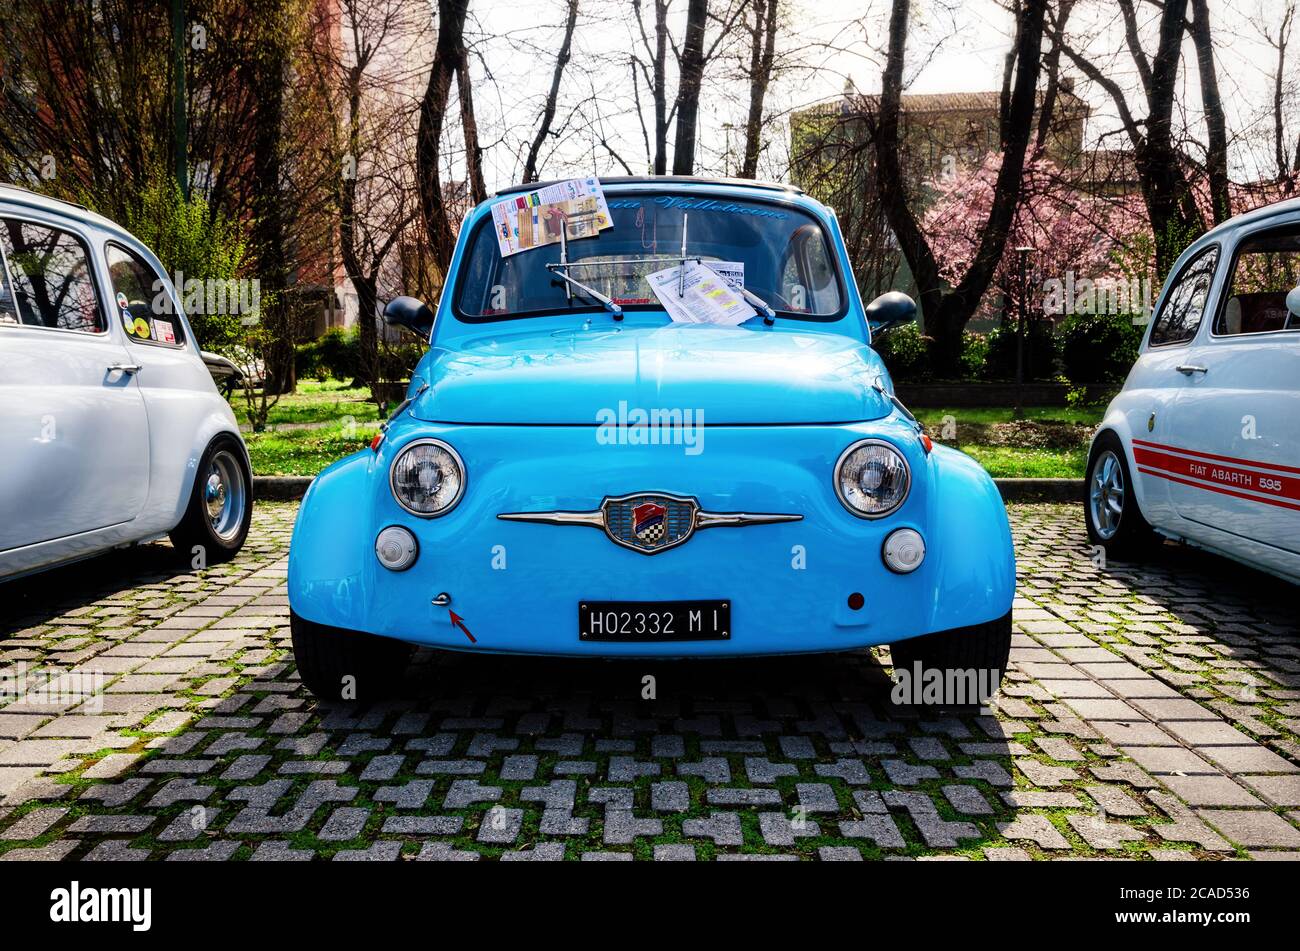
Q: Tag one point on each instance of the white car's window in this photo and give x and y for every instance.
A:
(52, 283)
(1184, 305)
(8, 306)
(1266, 268)
(144, 306)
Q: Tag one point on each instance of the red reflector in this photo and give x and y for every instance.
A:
(374, 443)
(926, 443)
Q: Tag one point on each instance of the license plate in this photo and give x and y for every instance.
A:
(654, 620)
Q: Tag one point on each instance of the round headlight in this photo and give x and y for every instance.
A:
(872, 478)
(904, 550)
(427, 478)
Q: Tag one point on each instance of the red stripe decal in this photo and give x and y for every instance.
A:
(1222, 491)
(1209, 455)
(1219, 474)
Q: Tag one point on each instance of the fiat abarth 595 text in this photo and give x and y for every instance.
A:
(111, 429)
(1203, 443)
(649, 424)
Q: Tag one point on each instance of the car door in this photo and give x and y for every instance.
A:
(74, 435)
(1155, 383)
(1236, 422)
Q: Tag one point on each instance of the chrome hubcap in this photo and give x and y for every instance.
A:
(1106, 495)
(225, 495)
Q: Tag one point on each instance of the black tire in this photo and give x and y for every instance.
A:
(1131, 536)
(978, 647)
(337, 664)
(220, 536)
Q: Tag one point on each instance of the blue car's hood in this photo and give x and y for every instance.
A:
(731, 375)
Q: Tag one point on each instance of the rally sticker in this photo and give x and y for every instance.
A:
(142, 328)
(162, 331)
(128, 321)
(122, 302)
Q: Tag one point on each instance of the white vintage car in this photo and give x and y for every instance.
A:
(111, 429)
(1203, 443)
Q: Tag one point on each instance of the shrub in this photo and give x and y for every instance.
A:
(1098, 348)
(338, 353)
(905, 353)
(1040, 352)
(974, 354)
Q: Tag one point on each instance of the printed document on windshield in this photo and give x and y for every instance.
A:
(532, 219)
(706, 298)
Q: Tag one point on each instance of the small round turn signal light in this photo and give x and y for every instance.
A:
(926, 443)
(903, 551)
(396, 548)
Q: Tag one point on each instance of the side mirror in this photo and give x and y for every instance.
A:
(890, 310)
(410, 313)
(1293, 301)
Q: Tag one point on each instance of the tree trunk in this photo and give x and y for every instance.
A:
(1216, 155)
(433, 110)
(761, 55)
(691, 73)
(660, 91)
(269, 208)
(548, 111)
(946, 312)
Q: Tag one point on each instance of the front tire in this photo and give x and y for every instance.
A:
(1110, 506)
(216, 521)
(337, 664)
(980, 647)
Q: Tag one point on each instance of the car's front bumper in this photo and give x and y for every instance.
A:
(517, 586)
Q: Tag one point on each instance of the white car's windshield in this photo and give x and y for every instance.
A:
(786, 256)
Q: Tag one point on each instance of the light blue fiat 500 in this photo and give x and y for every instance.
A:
(586, 466)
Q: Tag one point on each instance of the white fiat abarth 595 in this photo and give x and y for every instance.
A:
(111, 428)
(1202, 445)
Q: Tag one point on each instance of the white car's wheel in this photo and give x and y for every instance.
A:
(221, 504)
(1110, 505)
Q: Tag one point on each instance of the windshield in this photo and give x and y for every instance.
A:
(785, 254)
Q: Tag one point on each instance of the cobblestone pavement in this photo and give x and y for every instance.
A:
(1151, 712)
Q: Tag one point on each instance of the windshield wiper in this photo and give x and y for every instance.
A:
(591, 292)
(561, 268)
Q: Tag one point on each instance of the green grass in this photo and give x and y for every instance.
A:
(1004, 462)
(304, 451)
(316, 401)
(934, 418)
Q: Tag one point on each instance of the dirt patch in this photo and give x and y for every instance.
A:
(1024, 434)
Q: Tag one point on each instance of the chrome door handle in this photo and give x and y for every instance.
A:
(125, 367)
(1187, 369)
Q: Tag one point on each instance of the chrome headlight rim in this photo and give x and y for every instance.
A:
(907, 478)
(455, 456)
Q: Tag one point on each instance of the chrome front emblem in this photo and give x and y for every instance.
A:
(649, 522)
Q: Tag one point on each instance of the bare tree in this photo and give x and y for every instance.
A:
(1279, 41)
(762, 54)
(369, 101)
(692, 58)
(1216, 154)
(947, 311)
(553, 95)
(1160, 165)
(450, 66)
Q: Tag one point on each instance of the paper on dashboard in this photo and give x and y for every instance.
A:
(706, 298)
